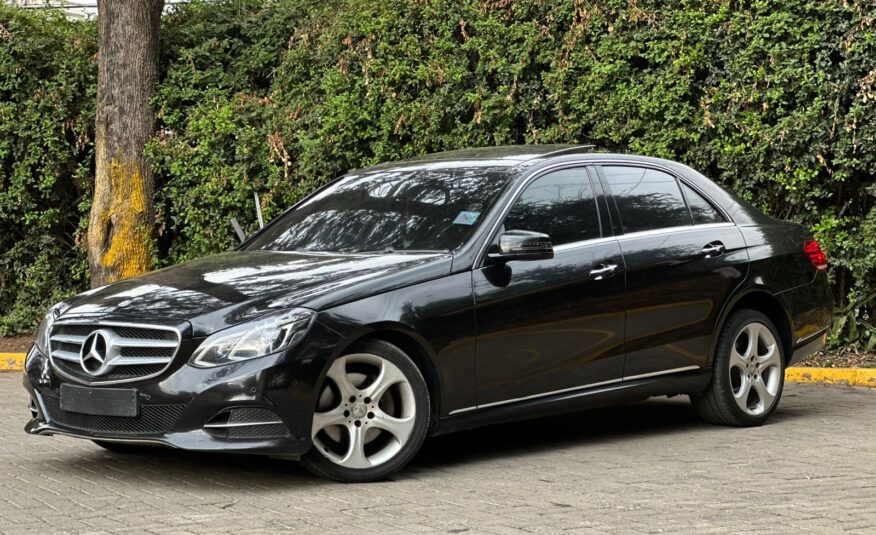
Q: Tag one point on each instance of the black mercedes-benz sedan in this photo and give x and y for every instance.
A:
(440, 293)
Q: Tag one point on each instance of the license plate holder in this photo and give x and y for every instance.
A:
(100, 401)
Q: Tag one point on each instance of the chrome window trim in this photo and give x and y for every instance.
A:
(673, 230)
(99, 323)
(575, 388)
(668, 170)
(583, 243)
(532, 176)
(641, 234)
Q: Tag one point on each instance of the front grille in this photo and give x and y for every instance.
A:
(153, 419)
(122, 373)
(247, 423)
(132, 352)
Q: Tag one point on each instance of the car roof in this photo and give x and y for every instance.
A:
(515, 160)
(498, 156)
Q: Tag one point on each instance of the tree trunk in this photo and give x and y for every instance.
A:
(120, 229)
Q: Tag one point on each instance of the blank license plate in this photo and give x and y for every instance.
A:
(99, 401)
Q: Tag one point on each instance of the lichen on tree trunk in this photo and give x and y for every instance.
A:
(128, 253)
(122, 220)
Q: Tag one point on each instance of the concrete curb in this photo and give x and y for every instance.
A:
(14, 362)
(11, 362)
(833, 376)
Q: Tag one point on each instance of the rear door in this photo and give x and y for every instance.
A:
(552, 325)
(683, 258)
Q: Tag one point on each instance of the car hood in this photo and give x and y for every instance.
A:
(217, 291)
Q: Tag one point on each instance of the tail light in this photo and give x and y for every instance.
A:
(815, 254)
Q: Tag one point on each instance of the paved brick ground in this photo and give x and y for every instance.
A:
(648, 467)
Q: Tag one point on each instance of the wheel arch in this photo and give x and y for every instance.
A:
(763, 301)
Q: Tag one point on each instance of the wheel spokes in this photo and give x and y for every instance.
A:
(322, 420)
(389, 375)
(338, 374)
(400, 428)
(770, 358)
(355, 456)
(755, 369)
(765, 397)
(737, 360)
(741, 394)
(362, 400)
(751, 332)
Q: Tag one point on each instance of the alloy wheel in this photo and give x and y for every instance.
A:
(365, 413)
(755, 369)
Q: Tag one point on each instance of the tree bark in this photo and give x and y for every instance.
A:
(121, 224)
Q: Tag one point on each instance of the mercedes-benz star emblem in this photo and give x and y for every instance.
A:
(93, 355)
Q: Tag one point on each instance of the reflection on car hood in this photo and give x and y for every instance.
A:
(225, 289)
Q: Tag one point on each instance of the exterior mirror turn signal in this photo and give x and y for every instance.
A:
(523, 245)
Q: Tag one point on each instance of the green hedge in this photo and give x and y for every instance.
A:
(774, 99)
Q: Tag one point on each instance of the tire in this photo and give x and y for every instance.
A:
(356, 438)
(124, 448)
(747, 379)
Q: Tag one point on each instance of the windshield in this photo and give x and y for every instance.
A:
(391, 211)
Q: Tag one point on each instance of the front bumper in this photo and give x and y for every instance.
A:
(181, 407)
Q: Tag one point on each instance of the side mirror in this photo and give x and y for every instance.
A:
(523, 245)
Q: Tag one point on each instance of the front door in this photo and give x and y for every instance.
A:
(552, 325)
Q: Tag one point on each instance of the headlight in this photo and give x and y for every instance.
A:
(45, 328)
(264, 336)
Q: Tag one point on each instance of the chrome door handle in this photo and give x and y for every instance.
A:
(602, 271)
(715, 248)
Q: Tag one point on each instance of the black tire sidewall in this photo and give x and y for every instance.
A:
(731, 331)
(317, 464)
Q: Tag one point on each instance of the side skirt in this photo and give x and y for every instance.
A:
(599, 396)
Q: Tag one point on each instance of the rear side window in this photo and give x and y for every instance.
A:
(560, 204)
(700, 209)
(647, 199)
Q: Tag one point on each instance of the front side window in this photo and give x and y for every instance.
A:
(647, 199)
(560, 204)
(392, 211)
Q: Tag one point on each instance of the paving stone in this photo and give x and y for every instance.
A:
(649, 467)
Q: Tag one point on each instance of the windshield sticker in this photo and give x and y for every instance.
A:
(466, 218)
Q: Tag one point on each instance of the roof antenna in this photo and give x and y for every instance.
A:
(259, 210)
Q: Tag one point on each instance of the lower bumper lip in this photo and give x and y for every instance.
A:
(192, 441)
(38, 427)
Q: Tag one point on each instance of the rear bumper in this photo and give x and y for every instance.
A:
(808, 346)
(810, 310)
(187, 407)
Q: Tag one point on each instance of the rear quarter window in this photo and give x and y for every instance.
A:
(701, 210)
(647, 199)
